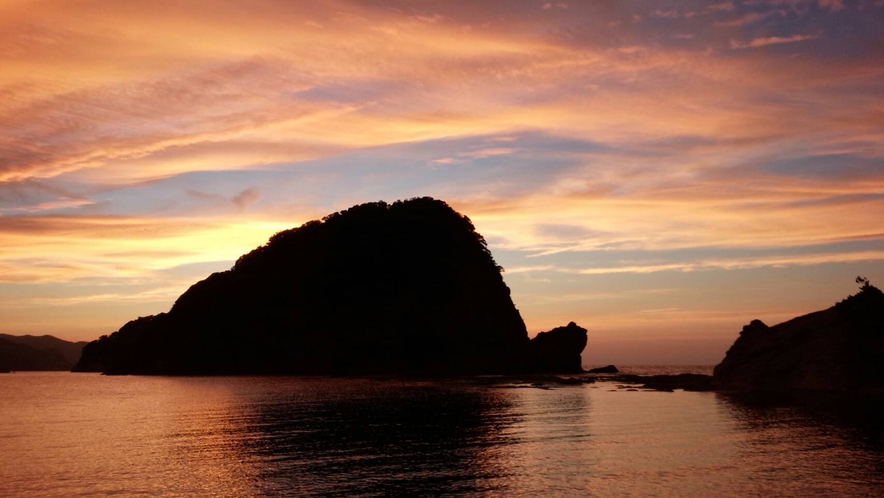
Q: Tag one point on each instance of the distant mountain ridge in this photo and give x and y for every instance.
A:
(35, 353)
(402, 288)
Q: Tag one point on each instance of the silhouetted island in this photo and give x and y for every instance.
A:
(837, 349)
(402, 288)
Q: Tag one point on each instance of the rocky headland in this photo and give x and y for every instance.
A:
(833, 354)
(840, 349)
(402, 288)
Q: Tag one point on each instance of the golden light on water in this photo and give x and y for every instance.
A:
(70, 434)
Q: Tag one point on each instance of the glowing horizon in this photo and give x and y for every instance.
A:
(660, 173)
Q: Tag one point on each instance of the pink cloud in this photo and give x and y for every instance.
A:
(833, 5)
(744, 20)
(772, 40)
(724, 6)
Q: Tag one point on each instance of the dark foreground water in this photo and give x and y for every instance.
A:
(67, 434)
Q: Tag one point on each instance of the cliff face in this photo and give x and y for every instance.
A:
(840, 348)
(408, 287)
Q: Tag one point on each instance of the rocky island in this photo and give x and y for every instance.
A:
(402, 288)
(840, 349)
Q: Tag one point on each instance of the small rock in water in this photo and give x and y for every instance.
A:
(610, 369)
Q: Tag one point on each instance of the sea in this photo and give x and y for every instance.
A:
(69, 435)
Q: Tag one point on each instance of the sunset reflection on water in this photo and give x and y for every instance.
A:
(84, 434)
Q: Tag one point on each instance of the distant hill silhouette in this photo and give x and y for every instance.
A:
(408, 287)
(45, 352)
(837, 349)
(71, 351)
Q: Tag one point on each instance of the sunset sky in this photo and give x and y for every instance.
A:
(659, 172)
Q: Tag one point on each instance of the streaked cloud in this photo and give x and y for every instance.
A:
(55, 205)
(722, 6)
(65, 248)
(771, 40)
(710, 264)
(745, 19)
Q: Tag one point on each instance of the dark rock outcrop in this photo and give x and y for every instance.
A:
(408, 287)
(685, 381)
(610, 369)
(558, 351)
(840, 348)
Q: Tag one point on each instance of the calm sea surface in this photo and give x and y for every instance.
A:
(65, 434)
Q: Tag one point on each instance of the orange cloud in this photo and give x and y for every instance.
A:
(62, 248)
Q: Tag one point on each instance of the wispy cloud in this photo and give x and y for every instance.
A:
(744, 19)
(833, 5)
(65, 248)
(771, 40)
(716, 264)
(722, 6)
(55, 205)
